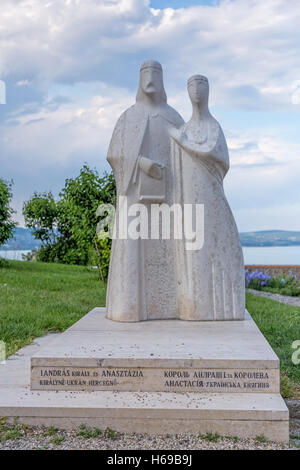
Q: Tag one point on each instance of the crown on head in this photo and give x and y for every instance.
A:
(199, 78)
(151, 63)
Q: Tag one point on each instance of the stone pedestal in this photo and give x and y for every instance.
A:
(159, 377)
(158, 356)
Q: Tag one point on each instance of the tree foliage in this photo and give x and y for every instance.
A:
(40, 214)
(7, 225)
(67, 227)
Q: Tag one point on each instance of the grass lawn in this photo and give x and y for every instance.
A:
(280, 324)
(36, 298)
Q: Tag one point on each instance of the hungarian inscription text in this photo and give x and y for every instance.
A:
(154, 379)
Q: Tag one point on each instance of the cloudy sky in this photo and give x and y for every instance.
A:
(71, 67)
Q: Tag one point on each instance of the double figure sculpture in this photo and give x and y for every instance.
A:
(163, 163)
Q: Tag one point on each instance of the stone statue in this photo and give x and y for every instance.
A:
(142, 282)
(211, 283)
(159, 161)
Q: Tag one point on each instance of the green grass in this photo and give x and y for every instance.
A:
(261, 438)
(210, 437)
(37, 298)
(11, 431)
(88, 432)
(57, 440)
(280, 324)
(51, 431)
(291, 291)
(233, 438)
(110, 433)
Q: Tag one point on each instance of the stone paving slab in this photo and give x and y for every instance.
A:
(157, 356)
(240, 414)
(163, 343)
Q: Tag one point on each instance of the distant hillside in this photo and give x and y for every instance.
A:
(22, 240)
(270, 238)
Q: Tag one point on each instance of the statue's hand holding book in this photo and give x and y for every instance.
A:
(152, 184)
(151, 168)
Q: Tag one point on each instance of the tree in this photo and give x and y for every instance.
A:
(40, 214)
(77, 208)
(7, 225)
(67, 227)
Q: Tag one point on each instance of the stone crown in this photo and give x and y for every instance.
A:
(199, 78)
(151, 63)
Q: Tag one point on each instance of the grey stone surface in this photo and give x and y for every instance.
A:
(97, 354)
(211, 281)
(158, 160)
(172, 343)
(240, 414)
(142, 281)
(87, 358)
(37, 438)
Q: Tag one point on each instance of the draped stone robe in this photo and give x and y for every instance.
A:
(211, 283)
(142, 274)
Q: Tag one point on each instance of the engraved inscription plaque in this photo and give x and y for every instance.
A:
(155, 379)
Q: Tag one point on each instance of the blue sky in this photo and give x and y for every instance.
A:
(71, 67)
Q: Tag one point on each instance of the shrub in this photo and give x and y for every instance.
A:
(283, 284)
(67, 226)
(7, 225)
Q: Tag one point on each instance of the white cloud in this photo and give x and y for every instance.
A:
(249, 50)
(264, 181)
(23, 83)
(296, 92)
(55, 135)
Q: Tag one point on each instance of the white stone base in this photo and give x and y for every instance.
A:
(158, 356)
(99, 344)
(144, 412)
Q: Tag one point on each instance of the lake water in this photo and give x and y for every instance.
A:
(272, 254)
(252, 254)
(15, 254)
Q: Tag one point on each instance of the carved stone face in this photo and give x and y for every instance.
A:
(198, 89)
(151, 80)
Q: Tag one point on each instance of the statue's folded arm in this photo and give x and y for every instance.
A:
(217, 152)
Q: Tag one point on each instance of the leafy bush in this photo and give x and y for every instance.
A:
(261, 280)
(7, 225)
(103, 247)
(67, 226)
